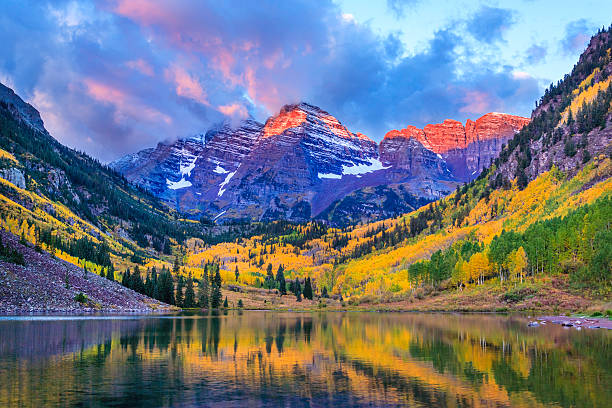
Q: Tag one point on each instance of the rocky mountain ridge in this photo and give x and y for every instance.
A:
(303, 160)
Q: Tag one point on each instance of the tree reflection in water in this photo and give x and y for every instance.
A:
(297, 359)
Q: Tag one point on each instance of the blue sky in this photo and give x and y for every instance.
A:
(114, 76)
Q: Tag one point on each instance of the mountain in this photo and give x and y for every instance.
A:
(531, 232)
(468, 149)
(303, 164)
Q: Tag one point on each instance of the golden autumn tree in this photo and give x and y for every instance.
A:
(479, 265)
(518, 262)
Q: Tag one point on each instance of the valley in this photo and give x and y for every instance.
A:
(501, 214)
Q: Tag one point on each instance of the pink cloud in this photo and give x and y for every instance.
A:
(145, 11)
(475, 102)
(186, 85)
(126, 107)
(235, 110)
(141, 66)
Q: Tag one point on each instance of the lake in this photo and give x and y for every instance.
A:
(291, 359)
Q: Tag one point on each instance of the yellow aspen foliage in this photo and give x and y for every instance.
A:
(479, 266)
(518, 262)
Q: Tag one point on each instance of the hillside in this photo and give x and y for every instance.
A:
(532, 231)
(536, 222)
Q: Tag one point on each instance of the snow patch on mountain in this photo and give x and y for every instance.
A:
(360, 169)
(175, 185)
(329, 176)
(220, 170)
(224, 183)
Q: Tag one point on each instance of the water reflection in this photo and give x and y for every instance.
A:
(303, 359)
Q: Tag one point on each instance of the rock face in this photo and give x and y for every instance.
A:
(21, 110)
(14, 176)
(465, 149)
(303, 160)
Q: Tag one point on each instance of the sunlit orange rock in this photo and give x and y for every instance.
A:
(286, 119)
(452, 134)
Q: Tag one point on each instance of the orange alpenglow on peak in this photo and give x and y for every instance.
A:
(286, 119)
(452, 134)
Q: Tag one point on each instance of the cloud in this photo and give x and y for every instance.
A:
(489, 23)
(536, 54)
(187, 85)
(577, 36)
(111, 77)
(398, 7)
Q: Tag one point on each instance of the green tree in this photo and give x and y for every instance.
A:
(280, 280)
(308, 289)
(180, 286)
(110, 273)
(237, 274)
(225, 304)
(204, 289)
(216, 296)
(189, 300)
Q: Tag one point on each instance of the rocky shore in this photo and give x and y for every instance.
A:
(578, 323)
(40, 287)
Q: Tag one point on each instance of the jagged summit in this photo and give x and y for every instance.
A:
(301, 160)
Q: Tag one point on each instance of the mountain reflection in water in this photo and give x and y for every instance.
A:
(302, 359)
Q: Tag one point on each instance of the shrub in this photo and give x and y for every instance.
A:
(81, 297)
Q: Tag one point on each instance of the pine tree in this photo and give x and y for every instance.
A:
(269, 282)
(324, 292)
(240, 304)
(110, 273)
(308, 289)
(225, 304)
(297, 290)
(126, 279)
(204, 289)
(102, 274)
(180, 285)
(237, 273)
(189, 293)
(216, 296)
(280, 280)
(149, 284)
(85, 271)
(175, 268)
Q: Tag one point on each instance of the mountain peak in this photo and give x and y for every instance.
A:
(20, 109)
(452, 134)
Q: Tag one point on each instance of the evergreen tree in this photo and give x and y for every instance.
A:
(280, 280)
(102, 274)
(216, 296)
(297, 290)
(137, 283)
(166, 287)
(225, 304)
(269, 282)
(155, 284)
(149, 284)
(175, 268)
(189, 300)
(240, 304)
(126, 279)
(204, 289)
(180, 285)
(85, 271)
(237, 273)
(324, 292)
(110, 273)
(308, 289)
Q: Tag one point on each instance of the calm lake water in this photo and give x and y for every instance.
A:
(302, 359)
